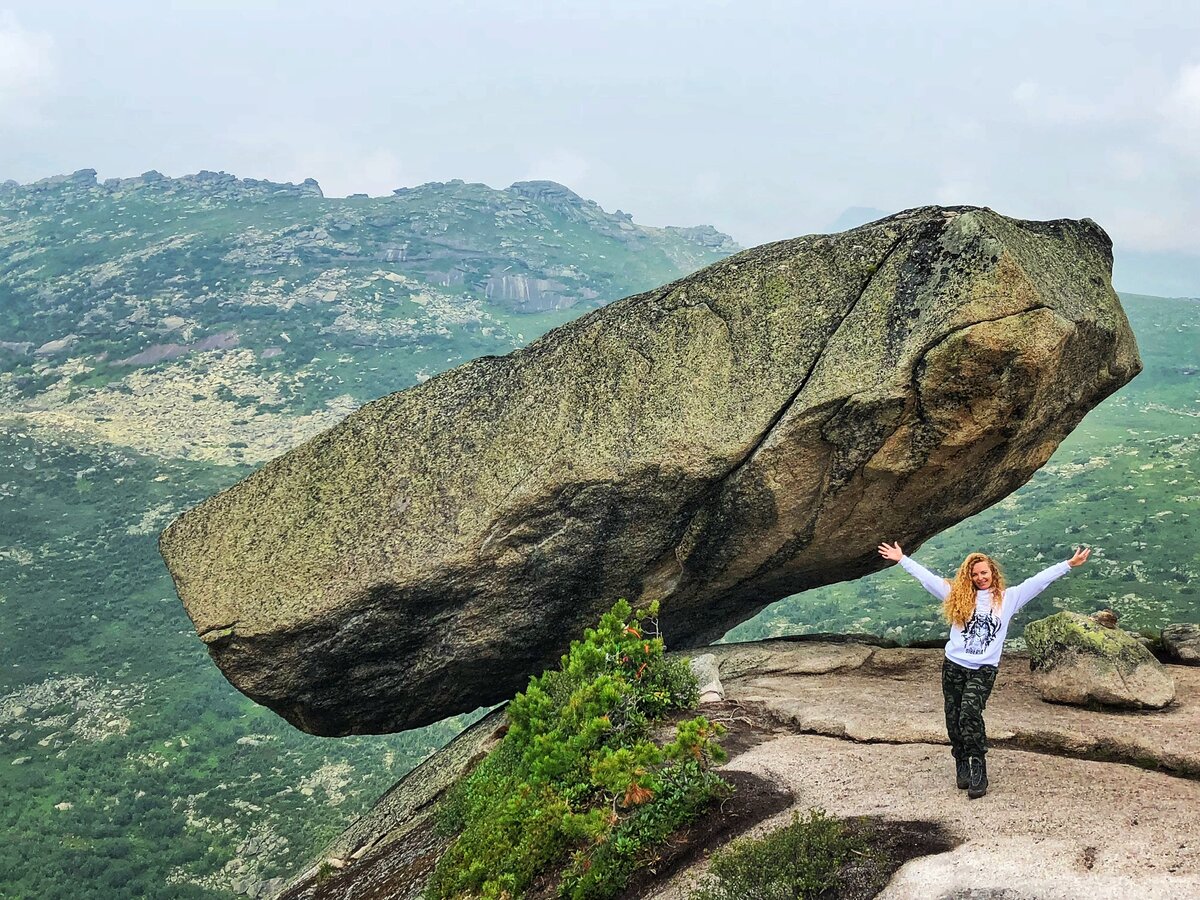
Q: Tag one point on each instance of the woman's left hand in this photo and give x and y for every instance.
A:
(1080, 557)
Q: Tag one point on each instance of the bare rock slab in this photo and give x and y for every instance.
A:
(1075, 659)
(1049, 827)
(737, 436)
(894, 696)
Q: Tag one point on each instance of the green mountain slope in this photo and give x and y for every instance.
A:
(111, 295)
(160, 337)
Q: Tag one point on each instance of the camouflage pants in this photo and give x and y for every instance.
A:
(965, 692)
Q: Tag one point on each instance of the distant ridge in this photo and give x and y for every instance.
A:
(202, 180)
(234, 300)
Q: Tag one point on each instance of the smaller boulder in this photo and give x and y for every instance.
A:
(708, 673)
(1182, 643)
(1076, 660)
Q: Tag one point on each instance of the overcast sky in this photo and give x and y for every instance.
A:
(766, 120)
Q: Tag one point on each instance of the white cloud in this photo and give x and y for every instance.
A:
(1180, 111)
(1137, 138)
(960, 185)
(1128, 165)
(1185, 97)
(707, 185)
(1055, 107)
(27, 72)
(291, 152)
(349, 170)
(1162, 230)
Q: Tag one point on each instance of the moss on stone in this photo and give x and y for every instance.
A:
(1049, 638)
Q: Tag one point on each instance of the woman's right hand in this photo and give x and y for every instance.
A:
(891, 551)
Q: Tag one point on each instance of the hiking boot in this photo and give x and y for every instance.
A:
(962, 775)
(977, 782)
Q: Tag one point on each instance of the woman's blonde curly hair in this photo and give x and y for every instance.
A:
(959, 604)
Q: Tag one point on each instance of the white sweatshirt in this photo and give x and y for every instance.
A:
(981, 640)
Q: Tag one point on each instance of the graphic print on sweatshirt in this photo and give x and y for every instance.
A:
(979, 632)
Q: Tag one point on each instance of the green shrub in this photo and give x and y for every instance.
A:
(576, 786)
(799, 862)
(685, 789)
(324, 871)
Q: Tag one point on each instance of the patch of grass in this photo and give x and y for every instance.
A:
(799, 862)
(324, 871)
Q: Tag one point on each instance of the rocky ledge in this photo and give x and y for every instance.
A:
(1082, 803)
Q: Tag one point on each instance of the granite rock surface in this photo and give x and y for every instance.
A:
(734, 437)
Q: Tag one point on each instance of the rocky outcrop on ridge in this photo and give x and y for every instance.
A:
(1082, 803)
(212, 183)
(737, 436)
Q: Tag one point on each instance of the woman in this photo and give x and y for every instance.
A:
(979, 608)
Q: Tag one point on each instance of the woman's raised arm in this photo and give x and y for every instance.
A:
(939, 587)
(1018, 596)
